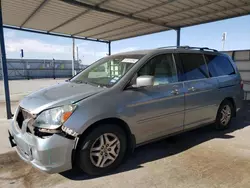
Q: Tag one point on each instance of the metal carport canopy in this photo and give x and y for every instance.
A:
(110, 20)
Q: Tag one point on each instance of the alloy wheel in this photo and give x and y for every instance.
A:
(226, 115)
(105, 150)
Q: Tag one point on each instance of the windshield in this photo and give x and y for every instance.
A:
(107, 71)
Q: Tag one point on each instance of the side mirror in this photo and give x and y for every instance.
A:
(143, 81)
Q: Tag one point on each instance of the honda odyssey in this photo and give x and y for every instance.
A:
(122, 101)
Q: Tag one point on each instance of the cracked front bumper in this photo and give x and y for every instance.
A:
(52, 154)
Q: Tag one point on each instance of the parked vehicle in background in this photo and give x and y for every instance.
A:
(123, 101)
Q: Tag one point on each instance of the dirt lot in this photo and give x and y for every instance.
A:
(202, 158)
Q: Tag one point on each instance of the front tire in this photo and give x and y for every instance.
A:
(224, 115)
(102, 150)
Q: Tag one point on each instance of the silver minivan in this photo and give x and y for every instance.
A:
(93, 120)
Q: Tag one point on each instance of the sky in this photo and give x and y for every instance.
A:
(38, 46)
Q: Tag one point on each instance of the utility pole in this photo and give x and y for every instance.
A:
(77, 54)
(224, 37)
(73, 57)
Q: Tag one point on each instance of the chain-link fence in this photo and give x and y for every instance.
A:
(35, 68)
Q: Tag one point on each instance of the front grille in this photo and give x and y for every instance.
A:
(22, 116)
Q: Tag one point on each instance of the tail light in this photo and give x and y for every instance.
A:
(241, 84)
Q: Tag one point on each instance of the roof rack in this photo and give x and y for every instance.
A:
(190, 48)
(164, 47)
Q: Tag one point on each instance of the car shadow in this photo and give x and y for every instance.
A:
(171, 146)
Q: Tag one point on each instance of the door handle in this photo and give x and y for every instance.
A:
(191, 89)
(175, 92)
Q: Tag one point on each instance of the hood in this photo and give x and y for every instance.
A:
(57, 95)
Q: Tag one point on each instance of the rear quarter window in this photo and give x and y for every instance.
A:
(219, 65)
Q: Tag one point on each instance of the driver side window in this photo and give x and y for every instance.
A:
(163, 69)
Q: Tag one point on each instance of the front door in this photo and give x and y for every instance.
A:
(159, 109)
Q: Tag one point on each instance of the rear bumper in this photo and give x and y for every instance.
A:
(52, 154)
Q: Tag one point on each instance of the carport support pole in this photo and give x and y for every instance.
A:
(109, 44)
(73, 57)
(4, 67)
(178, 39)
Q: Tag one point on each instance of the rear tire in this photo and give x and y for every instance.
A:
(224, 115)
(102, 150)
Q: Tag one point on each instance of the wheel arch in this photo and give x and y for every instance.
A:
(131, 141)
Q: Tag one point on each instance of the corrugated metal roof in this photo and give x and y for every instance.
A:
(116, 19)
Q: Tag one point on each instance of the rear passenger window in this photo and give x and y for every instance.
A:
(219, 65)
(194, 66)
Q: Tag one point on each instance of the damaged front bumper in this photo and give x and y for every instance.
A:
(50, 154)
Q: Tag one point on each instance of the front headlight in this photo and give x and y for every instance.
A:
(55, 117)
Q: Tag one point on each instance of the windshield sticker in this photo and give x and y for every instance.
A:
(130, 60)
